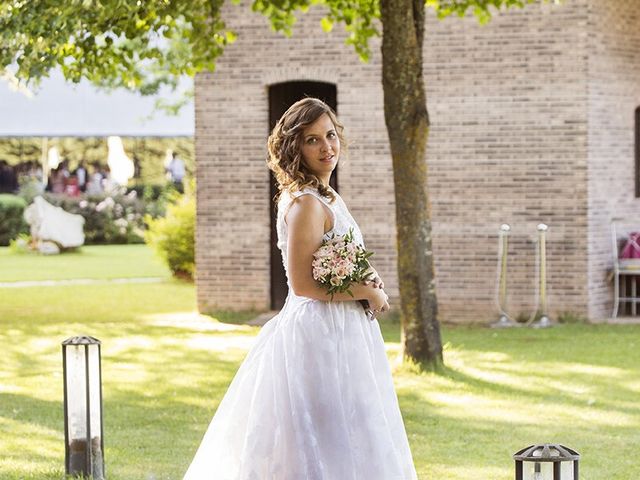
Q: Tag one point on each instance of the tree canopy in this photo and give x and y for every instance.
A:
(145, 44)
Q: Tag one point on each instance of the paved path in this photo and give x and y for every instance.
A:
(79, 281)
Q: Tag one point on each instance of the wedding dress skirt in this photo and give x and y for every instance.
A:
(313, 400)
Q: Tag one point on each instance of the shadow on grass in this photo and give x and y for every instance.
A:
(152, 427)
(45, 414)
(484, 445)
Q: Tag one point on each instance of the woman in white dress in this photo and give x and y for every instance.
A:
(314, 398)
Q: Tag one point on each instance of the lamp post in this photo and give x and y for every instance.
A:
(84, 445)
(546, 462)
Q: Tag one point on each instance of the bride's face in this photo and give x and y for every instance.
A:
(321, 147)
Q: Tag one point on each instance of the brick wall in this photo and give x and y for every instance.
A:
(508, 145)
(231, 134)
(513, 139)
(614, 94)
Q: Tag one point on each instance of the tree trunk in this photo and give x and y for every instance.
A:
(407, 119)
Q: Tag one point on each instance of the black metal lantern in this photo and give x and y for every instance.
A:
(84, 444)
(546, 462)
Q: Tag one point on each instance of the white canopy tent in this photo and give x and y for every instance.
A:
(60, 109)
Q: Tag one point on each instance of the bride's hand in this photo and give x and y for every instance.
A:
(375, 279)
(378, 300)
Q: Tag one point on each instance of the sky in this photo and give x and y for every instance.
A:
(59, 108)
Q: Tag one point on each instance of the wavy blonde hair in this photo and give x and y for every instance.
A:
(285, 146)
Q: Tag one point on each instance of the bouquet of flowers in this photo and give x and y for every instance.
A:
(339, 263)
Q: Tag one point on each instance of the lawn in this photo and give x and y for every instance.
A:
(166, 368)
(98, 262)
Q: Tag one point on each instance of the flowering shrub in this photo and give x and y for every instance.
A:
(112, 218)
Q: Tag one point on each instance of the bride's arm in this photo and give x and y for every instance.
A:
(305, 221)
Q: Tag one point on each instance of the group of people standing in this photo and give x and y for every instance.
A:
(92, 181)
(90, 178)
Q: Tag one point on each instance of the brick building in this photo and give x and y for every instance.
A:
(533, 119)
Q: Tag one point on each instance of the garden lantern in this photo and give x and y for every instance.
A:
(546, 462)
(84, 444)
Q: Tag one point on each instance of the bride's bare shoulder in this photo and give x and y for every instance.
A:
(305, 208)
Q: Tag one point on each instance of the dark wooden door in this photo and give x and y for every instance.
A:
(281, 97)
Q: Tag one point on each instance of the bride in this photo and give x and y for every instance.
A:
(314, 398)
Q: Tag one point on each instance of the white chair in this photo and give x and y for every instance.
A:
(625, 270)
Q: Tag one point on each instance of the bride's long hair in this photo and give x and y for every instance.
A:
(285, 146)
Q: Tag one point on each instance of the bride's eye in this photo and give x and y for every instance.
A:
(331, 135)
(311, 140)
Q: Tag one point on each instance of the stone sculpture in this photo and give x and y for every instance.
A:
(53, 229)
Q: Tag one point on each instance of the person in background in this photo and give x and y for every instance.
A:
(71, 187)
(57, 180)
(81, 175)
(137, 167)
(64, 168)
(8, 178)
(94, 186)
(176, 171)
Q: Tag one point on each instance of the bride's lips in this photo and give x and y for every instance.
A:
(327, 159)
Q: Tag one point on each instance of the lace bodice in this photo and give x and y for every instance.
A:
(342, 219)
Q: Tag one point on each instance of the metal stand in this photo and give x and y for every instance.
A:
(504, 321)
(544, 321)
(540, 318)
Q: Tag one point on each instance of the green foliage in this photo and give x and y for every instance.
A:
(155, 196)
(30, 188)
(136, 45)
(142, 46)
(20, 149)
(173, 236)
(21, 244)
(480, 8)
(12, 222)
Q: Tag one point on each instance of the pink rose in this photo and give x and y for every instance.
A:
(341, 271)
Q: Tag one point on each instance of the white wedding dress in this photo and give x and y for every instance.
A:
(314, 398)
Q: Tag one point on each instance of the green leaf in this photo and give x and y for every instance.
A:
(327, 24)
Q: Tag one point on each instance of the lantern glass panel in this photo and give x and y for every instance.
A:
(538, 471)
(94, 391)
(76, 392)
(566, 470)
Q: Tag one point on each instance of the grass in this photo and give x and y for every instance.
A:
(165, 369)
(100, 262)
